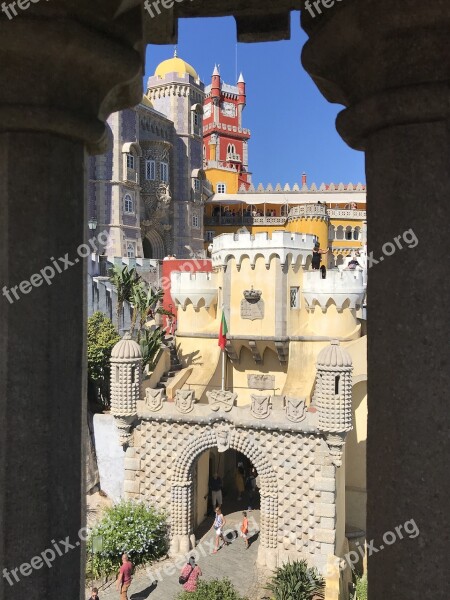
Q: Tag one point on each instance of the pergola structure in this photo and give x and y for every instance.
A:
(66, 65)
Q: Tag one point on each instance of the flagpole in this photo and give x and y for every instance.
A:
(224, 369)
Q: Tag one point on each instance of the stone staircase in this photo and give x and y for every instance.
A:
(175, 365)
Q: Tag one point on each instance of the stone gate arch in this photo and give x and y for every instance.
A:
(224, 438)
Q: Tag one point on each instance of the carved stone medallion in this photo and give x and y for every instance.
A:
(295, 409)
(261, 406)
(223, 435)
(185, 400)
(154, 399)
(221, 400)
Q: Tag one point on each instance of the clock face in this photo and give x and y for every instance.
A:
(207, 111)
(228, 109)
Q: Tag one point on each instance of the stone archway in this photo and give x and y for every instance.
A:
(153, 245)
(224, 438)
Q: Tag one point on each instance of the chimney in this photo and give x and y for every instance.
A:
(304, 180)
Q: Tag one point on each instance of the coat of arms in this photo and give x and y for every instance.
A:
(185, 400)
(154, 399)
(295, 409)
(221, 400)
(261, 406)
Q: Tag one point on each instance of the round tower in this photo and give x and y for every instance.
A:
(333, 397)
(242, 100)
(126, 369)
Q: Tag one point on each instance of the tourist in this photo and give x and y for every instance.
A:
(219, 524)
(94, 594)
(317, 256)
(244, 529)
(189, 575)
(125, 577)
(215, 485)
(240, 482)
(353, 264)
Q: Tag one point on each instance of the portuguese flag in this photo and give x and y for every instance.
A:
(223, 332)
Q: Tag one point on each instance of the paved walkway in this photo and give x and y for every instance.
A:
(234, 562)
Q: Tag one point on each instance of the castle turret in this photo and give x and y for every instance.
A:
(333, 397)
(126, 369)
(215, 85)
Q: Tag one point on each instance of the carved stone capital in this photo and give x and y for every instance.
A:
(387, 71)
(78, 63)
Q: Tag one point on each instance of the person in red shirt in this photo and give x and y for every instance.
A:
(124, 578)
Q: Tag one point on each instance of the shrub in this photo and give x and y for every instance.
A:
(131, 527)
(295, 581)
(216, 589)
(361, 588)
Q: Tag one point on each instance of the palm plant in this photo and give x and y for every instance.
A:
(295, 581)
(150, 344)
(143, 302)
(124, 280)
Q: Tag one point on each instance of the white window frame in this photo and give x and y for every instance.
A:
(210, 236)
(195, 221)
(164, 172)
(197, 184)
(131, 200)
(131, 161)
(296, 305)
(222, 188)
(150, 169)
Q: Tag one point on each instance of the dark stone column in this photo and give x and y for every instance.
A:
(65, 67)
(389, 64)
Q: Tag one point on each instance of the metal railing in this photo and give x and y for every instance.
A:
(239, 220)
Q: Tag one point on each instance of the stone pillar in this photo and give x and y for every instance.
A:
(65, 67)
(389, 64)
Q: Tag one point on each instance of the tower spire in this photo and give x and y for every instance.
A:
(175, 52)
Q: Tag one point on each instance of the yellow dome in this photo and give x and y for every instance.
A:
(175, 65)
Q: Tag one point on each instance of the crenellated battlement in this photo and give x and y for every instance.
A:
(339, 287)
(282, 244)
(193, 288)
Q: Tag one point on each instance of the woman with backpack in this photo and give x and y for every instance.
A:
(189, 575)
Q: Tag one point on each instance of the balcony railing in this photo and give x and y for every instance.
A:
(308, 210)
(238, 220)
(234, 158)
(335, 213)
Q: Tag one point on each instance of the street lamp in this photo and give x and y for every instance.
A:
(92, 224)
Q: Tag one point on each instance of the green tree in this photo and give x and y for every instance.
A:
(217, 589)
(295, 581)
(101, 338)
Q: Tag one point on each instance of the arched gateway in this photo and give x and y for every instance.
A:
(224, 438)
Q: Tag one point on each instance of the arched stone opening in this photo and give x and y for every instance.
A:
(153, 246)
(224, 438)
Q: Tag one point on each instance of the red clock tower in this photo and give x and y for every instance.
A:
(225, 139)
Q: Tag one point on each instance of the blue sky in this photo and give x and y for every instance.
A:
(292, 125)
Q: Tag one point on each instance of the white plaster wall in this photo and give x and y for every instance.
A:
(110, 456)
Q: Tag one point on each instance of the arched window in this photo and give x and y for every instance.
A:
(357, 233)
(131, 249)
(348, 233)
(128, 204)
(340, 233)
(204, 152)
(130, 161)
(332, 232)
